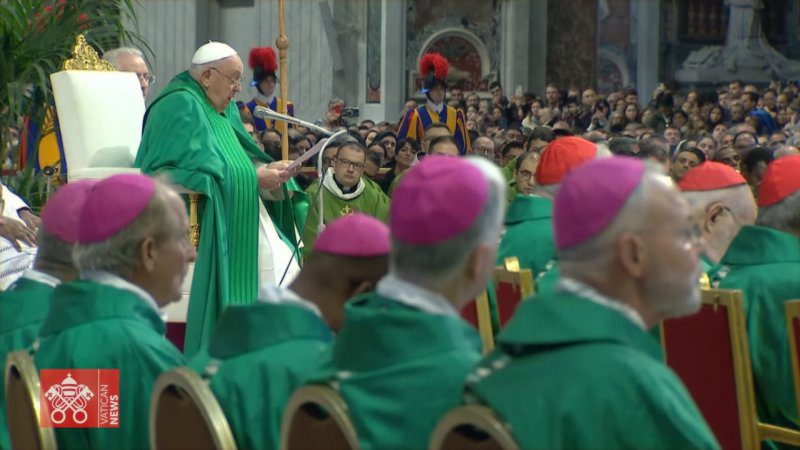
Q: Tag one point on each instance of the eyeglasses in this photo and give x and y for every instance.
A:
(689, 237)
(524, 175)
(346, 164)
(150, 79)
(233, 83)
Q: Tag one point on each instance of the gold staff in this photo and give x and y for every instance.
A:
(283, 46)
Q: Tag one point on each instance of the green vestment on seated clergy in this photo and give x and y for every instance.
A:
(399, 370)
(23, 308)
(765, 264)
(571, 373)
(528, 233)
(259, 354)
(211, 153)
(95, 326)
(369, 200)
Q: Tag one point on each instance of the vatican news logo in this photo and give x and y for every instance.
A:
(79, 398)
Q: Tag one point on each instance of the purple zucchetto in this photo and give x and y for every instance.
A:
(437, 199)
(591, 196)
(62, 212)
(112, 205)
(355, 235)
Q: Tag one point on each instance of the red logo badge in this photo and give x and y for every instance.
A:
(79, 398)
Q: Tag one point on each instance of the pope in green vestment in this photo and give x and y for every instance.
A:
(253, 374)
(23, 308)
(571, 373)
(398, 368)
(108, 325)
(211, 153)
(765, 264)
(365, 197)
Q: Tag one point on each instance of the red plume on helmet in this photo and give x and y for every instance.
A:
(263, 57)
(436, 63)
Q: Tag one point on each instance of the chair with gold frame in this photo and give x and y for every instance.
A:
(512, 285)
(22, 404)
(792, 309)
(710, 353)
(478, 314)
(317, 417)
(185, 414)
(472, 427)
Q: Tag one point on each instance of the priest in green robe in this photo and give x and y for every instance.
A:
(721, 203)
(344, 191)
(576, 368)
(25, 304)
(401, 357)
(260, 353)
(132, 252)
(764, 262)
(193, 134)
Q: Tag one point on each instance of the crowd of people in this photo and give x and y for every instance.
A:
(355, 277)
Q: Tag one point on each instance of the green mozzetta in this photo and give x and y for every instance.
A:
(372, 202)
(211, 153)
(765, 264)
(93, 326)
(398, 369)
(23, 308)
(529, 233)
(570, 373)
(259, 355)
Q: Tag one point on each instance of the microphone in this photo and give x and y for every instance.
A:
(265, 113)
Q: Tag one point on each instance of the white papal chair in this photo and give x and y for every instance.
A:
(100, 113)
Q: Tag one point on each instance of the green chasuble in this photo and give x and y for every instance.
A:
(95, 326)
(398, 369)
(23, 308)
(211, 153)
(571, 373)
(258, 356)
(529, 233)
(765, 264)
(369, 200)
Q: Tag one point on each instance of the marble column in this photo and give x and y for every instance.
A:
(393, 20)
(648, 44)
(515, 60)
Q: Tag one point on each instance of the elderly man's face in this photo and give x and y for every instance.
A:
(131, 63)
(348, 166)
(171, 255)
(483, 146)
(672, 244)
(222, 82)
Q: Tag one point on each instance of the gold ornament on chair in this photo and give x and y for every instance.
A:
(85, 57)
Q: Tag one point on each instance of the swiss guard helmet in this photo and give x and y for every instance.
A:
(433, 69)
(262, 61)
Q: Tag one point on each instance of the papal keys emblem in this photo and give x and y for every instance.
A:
(68, 397)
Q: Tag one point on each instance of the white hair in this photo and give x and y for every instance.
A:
(429, 265)
(783, 216)
(196, 70)
(738, 198)
(119, 254)
(595, 252)
(112, 56)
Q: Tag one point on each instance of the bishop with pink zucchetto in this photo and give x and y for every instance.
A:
(132, 251)
(577, 367)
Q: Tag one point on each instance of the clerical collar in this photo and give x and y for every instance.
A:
(264, 99)
(438, 108)
(110, 279)
(330, 183)
(343, 188)
(415, 296)
(41, 277)
(271, 293)
(582, 290)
